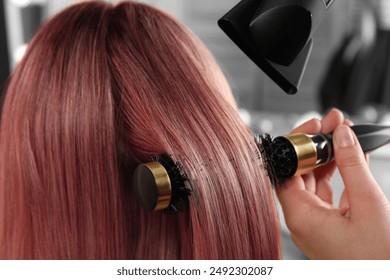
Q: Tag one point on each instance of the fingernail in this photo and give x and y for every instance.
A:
(344, 137)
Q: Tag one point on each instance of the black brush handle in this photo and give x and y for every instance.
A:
(372, 136)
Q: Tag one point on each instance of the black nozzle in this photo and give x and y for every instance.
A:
(280, 33)
(276, 35)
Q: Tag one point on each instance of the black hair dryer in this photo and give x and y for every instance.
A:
(276, 35)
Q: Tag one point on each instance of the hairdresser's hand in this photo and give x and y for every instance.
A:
(358, 228)
(319, 182)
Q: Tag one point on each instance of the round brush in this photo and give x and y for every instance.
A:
(297, 154)
(161, 185)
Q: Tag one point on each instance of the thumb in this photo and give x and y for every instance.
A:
(350, 160)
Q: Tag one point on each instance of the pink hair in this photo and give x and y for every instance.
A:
(101, 89)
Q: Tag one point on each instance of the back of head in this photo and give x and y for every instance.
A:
(101, 89)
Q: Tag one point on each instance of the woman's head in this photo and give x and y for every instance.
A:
(103, 88)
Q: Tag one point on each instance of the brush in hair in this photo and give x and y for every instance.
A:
(161, 185)
(298, 154)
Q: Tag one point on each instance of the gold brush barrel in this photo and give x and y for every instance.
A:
(305, 150)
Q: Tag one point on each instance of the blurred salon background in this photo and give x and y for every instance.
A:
(349, 67)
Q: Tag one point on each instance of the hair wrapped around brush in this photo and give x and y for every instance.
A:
(101, 89)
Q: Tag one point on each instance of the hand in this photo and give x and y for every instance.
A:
(359, 227)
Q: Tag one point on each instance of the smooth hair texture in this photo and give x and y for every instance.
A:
(101, 89)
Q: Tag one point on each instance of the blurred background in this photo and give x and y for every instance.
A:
(348, 67)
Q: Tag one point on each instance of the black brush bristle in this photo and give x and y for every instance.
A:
(279, 157)
(264, 145)
(180, 192)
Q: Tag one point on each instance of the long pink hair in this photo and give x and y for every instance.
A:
(101, 89)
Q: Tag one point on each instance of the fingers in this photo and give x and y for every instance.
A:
(350, 159)
(348, 122)
(310, 127)
(319, 182)
(314, 126)
(324, 174)
(331, 121)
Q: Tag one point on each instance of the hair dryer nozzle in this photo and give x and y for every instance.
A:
(276, 35)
